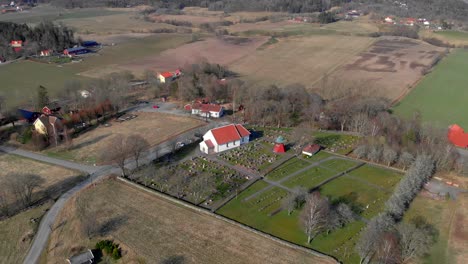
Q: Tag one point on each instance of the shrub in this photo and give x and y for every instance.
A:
(109, 248)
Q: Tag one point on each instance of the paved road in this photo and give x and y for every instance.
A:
(50, 160)
(41, 238)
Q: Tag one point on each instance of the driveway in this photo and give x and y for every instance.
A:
(438, 187)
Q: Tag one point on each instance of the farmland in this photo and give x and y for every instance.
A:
(152, 229)
(441, 96)
(154, 127)
(390, 67)
(365, 189)
(300, 60)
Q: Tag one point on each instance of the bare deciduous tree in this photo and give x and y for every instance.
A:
(315, 215)
(23, 186)
(389, 155)
(368, 242)
(406, 159)
(414, 242)
(117, 151)
(137, 145)
(88, 223)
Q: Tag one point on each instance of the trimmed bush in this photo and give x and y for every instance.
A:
(109, 248)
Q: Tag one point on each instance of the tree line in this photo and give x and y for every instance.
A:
(45, 35)
(386, 238)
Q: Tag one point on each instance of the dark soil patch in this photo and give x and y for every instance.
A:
(414, 65)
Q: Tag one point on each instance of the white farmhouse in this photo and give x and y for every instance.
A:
(207, 110)
(224, 138)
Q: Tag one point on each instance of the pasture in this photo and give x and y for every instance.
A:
(20, 90)
(299, 60)
(154, 127)
(56, 179)
(151, 229)
(448, 217)
(224, 51)
(54, 77)
(441, 97)
(389, 68)
(457, 38)
(17, 234)
(260, 206)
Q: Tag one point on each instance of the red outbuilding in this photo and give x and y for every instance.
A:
(457, 136)
(279, 145)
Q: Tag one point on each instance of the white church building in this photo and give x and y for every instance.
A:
(224, 138)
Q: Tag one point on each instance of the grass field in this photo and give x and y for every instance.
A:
(54, 77)
(154, 127)
(287, 168)
(56, 179)
(263, 211)
(50, 76)
(440, 214)
(152, 229)
(384, 178)
(300, 60)
(442, 95)
(457, 38)
(17, 232)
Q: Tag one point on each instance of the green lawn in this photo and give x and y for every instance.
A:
(442, 96)
(338, 165)
(356, 193)
(257, 214)
(378, 176)
(318, 157)
(310, 178)
(287, 168)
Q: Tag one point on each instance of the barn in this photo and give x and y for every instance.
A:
(76, 51)
(457, 136)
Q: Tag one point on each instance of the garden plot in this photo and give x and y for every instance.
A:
(287, 168)
(255, 156)
(195, 180)
(384, 178)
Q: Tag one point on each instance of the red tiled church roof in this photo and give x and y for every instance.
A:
(229, 133)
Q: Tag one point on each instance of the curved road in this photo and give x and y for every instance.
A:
(95, 173)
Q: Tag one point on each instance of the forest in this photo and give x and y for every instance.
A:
(45, 35)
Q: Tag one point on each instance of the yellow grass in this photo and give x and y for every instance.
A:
(154, 127)
(16, 234)
(113, 24)
(300, 60)
(152, 229)
(55, 177)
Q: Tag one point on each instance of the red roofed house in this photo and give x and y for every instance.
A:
(207, 110)
(457, 136)
(224, 138)
(164, 77)
(311, 150)
(17, 45)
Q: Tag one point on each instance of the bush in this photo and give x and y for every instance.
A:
(109, 248)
